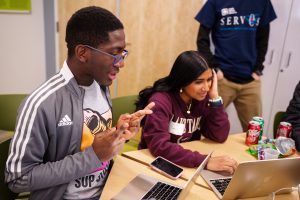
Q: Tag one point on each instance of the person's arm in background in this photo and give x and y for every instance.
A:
(203, 46)
(293, 116)
(262, 40)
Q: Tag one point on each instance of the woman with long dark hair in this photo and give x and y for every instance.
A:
(187, 106)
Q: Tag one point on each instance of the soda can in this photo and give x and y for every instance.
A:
(253, 133)
(261, 123)
(284, 129)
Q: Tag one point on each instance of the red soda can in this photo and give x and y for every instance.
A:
(284, 129)
(253, 133)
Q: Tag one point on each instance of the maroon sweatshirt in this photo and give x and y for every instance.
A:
(170, 124)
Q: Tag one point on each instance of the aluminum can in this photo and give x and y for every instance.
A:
(261, 123)
(284, 129)
(253, 133)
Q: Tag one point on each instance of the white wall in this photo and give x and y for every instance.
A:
(22, 50)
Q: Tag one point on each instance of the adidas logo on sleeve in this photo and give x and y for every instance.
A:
(65, 121)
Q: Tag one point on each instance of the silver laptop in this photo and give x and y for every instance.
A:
(255, 178)
(146, 187)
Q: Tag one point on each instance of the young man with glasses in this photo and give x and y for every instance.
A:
(64, 142)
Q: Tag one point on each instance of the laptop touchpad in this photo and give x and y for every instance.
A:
(136, 188)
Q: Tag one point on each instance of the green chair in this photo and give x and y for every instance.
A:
(9, 104)
(5, 193)
(277, 119)
(122, 105)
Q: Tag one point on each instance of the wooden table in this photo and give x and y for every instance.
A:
(234, 146)
(124, 170)
(5, 135)
(130, 164)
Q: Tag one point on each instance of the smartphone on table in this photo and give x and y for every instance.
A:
(166, 167)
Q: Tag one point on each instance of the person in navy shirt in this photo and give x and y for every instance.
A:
(239, 30)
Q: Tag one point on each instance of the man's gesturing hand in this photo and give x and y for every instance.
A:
(109, 143)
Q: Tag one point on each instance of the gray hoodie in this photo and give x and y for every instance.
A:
(44, 154)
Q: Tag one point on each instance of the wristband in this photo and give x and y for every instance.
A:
(215, 102)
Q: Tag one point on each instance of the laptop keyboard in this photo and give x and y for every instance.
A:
(162, 191)
(221, 184)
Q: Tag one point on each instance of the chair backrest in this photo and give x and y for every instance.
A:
(9, 104)
(277, 119)
(122, 105)
(5, 193)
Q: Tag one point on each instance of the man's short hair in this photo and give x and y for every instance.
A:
(90, 25)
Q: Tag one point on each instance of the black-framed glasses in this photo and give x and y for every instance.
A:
(117, 58)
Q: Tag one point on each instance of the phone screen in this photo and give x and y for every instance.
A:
(167, 166)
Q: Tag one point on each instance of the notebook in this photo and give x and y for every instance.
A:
(255, 178)
(145, 187)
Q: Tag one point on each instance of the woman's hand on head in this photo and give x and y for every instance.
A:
(222, 163)
(213, 92)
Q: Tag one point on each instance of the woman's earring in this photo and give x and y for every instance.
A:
(180, 90)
